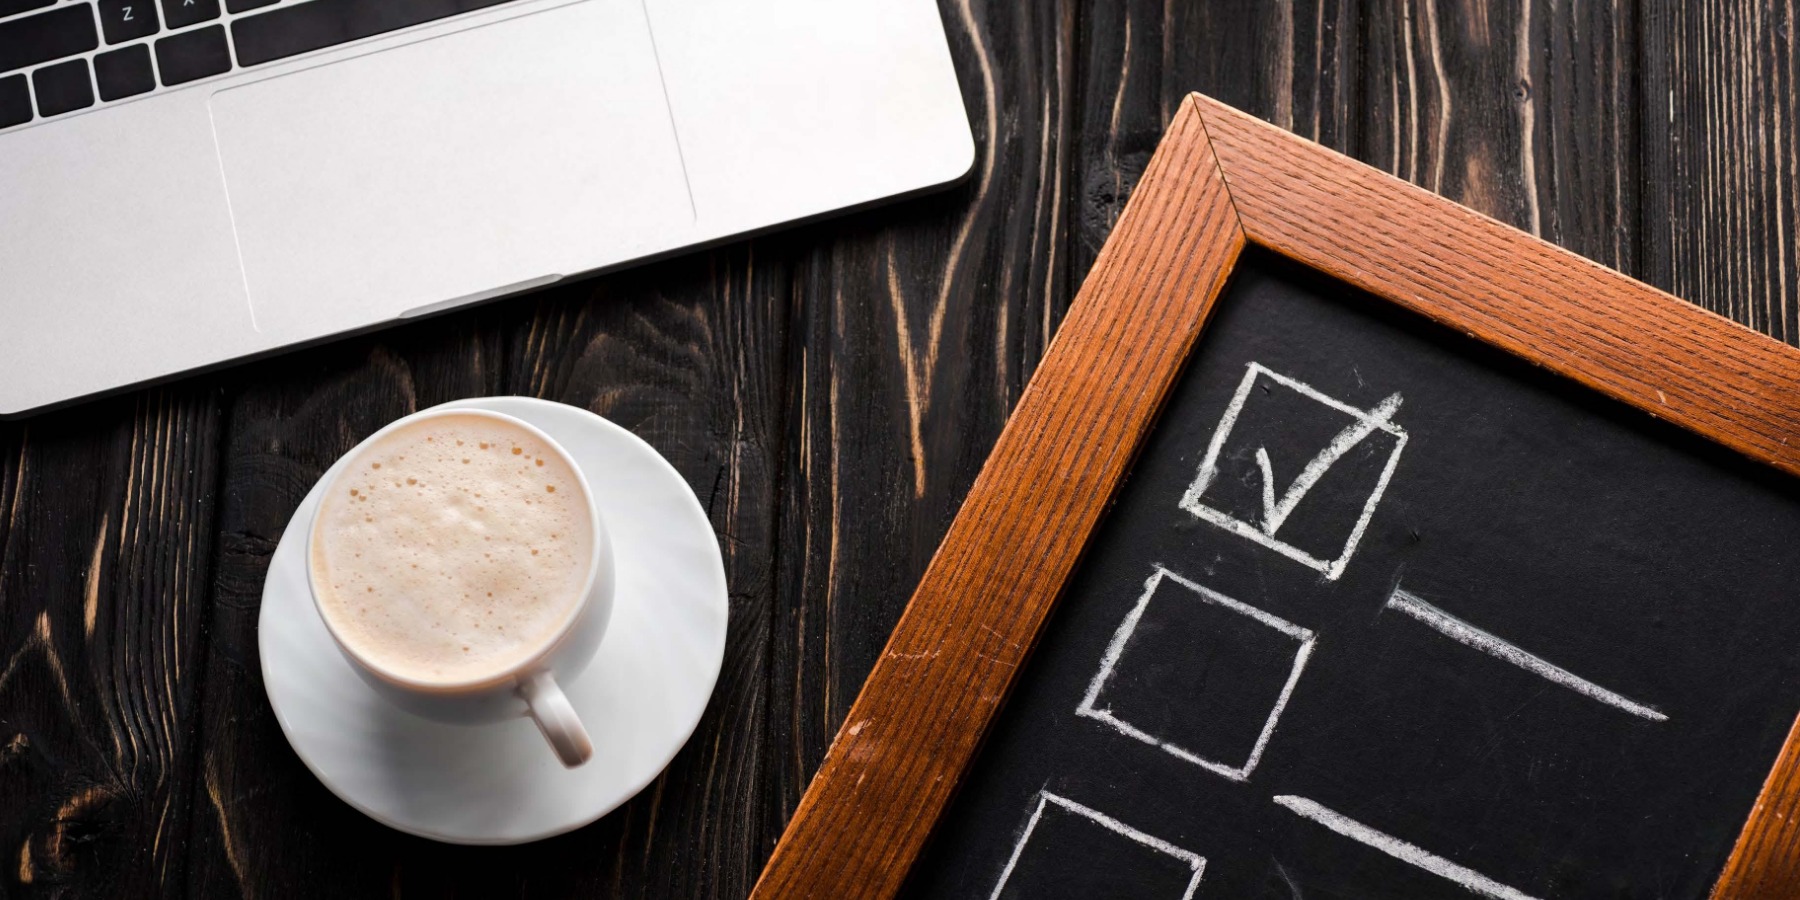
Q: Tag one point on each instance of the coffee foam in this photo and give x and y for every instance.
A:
(452, 550)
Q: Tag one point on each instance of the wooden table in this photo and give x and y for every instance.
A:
(829, 392)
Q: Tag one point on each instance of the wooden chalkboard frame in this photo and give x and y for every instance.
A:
(1222, 179)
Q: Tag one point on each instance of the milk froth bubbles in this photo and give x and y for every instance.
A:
(454, 549)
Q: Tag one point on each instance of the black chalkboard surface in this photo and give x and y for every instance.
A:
(1382, 612)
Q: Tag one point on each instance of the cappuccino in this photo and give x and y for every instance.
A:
(453, 549)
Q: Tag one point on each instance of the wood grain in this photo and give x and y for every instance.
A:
(1720, 102)
(953, 656)
(915, 329)
(1656, 137)
(1292, 63)
(1523, 110)
(104, 552)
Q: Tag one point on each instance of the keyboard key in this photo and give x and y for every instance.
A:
(125, 20)
(61, 32)
(192, 55)
(63, 88)
(8, 7)
(241, 5)
(124, 72)
(303, 27)
(182, 13)
(15, 101)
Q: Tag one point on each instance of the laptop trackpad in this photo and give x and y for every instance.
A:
(498, 155)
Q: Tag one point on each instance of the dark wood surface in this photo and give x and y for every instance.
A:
(829, 391)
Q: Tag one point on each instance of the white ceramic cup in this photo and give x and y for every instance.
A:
(529, 688)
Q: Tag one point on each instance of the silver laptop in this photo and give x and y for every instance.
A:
(188, 182)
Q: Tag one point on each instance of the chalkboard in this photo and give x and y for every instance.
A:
(1383, 612)
(1345, 542)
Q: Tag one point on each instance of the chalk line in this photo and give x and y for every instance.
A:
(1194, 861)
(1116, 648)
(1273, 513)
(1464, 633)
(1401, 850)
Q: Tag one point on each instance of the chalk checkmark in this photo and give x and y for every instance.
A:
(1275, 513)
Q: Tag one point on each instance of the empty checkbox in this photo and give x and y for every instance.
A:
(1198, 674)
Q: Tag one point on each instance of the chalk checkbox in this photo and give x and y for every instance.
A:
(1069, 850)
(1198, 674)
(1295, 470)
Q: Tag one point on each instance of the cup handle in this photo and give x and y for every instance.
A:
(556, 718)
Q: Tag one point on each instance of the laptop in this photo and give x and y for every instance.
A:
(184, 183)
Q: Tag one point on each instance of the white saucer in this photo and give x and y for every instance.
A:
(500, 784)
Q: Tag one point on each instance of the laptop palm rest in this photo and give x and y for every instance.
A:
(506, 153)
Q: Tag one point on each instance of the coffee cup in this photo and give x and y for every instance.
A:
(460, 563)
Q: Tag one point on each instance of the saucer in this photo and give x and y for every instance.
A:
(640, 698)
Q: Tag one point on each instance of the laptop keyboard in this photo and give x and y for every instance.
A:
(49, 65)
